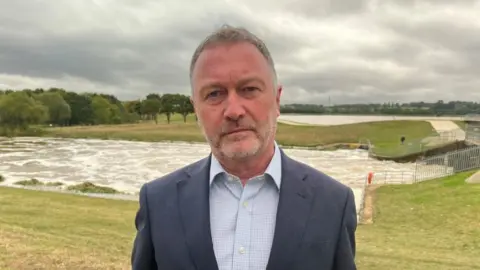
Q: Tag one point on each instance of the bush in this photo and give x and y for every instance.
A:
(88, 187)
(31, 182)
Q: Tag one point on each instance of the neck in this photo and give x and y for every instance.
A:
(249, 167)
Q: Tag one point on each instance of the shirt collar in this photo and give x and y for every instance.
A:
(274, 168)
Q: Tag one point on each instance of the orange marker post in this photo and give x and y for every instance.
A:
(370, 178)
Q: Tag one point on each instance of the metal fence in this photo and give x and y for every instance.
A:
(451, 135)
(447, 164)
(393, 177)
(472, 117)
(472, 133)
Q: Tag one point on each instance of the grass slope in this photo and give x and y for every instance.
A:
(385, 135)
(47, 230)
(433, 225)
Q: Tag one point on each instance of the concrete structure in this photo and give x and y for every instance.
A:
(472, 129)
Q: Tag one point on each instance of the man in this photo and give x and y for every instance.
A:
(247, 205)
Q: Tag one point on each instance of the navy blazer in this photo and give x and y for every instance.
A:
(315, 226)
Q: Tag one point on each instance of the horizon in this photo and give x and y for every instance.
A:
(327, 104)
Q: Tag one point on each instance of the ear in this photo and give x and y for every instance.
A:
(191, 101)
(277, 98)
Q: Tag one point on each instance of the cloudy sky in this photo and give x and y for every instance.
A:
(348, 50)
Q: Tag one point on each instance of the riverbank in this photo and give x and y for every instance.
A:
(84, 188)
(384, 135)
(48, 230)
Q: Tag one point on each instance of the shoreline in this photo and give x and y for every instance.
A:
(320, 147)
(110, 196)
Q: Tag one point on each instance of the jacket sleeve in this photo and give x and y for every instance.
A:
(345, 252)
(143, 257)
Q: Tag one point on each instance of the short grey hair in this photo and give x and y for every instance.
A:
(230, 34)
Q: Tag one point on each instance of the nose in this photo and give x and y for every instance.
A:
(234, 109)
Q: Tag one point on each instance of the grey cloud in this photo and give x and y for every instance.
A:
(312, 8)
(133, 48)
(315, 8)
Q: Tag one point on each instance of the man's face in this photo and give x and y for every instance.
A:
(235, 99)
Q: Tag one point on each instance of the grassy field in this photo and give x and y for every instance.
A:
(45, 230)
(429, 226)
(385, 135)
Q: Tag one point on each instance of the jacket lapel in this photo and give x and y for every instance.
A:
(294, 206)
(195, 214)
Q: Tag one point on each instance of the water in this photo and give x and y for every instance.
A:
(126, 165)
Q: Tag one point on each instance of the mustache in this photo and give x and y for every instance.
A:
(229, 127)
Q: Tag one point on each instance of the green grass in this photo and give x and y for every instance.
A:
(47, 230)
(461, 124)
(434, 225)
(431, 225)
(385, 135)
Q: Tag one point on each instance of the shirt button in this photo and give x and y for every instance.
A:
(245, 204)
(241, 250)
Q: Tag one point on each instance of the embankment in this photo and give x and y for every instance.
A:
(412, 157)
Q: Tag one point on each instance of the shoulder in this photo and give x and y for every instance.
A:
(329, 193)
(320, 180)
(165, 184)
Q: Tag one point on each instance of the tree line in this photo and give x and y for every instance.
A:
(58, 107)
(21, 109)
(439, 108)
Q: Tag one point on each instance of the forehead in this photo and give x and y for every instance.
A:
(230, 61)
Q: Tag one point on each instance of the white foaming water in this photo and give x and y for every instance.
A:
(126, 165)
(130, 164)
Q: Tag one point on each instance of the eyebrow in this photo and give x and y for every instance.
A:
(241, 82)
(249, 80)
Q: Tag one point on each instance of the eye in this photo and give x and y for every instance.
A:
(214, 94)
(250, 89)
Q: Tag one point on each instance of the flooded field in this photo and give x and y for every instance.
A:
(351, 119)
(126, 165)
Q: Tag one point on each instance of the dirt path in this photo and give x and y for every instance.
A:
(368, 205)
(474, 179)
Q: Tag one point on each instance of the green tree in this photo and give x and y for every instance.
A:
(151, 108)
(102, 110)
(18, 111)
(58, 108)
(184, 106)
(168, 105)
(81, 108)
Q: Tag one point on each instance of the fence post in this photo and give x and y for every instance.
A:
(445, 164)
(415, 172)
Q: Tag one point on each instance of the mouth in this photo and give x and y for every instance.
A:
(237, 131)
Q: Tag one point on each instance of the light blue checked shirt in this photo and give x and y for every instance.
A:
(243, 218)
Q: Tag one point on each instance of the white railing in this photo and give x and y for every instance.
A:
(393, 177)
